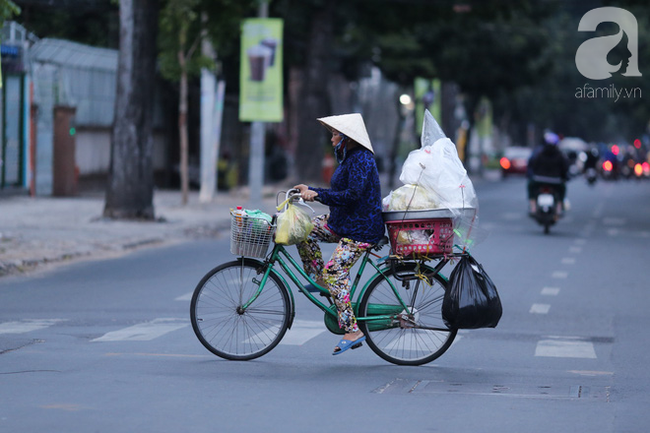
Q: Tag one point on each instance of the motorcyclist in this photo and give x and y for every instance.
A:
(592, 157)
(548, 166)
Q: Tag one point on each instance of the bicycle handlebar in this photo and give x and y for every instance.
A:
(293, 196)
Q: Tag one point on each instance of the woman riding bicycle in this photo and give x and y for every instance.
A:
(354, 222)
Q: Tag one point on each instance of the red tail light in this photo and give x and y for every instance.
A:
(638, 169)
(505, 163)
(607, 166)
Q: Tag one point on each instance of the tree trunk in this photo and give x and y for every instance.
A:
(182, 127)
(315, 101)
(130, 182)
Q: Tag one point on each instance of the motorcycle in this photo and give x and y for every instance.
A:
(591, 175)
(548, 205)
(590, 159)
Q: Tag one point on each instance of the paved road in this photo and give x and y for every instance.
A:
(106, 346)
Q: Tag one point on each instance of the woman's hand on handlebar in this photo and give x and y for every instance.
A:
(306, 193)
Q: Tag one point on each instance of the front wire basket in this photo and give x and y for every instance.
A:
(250, 236)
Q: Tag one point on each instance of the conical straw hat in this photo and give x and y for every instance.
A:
(351, 125)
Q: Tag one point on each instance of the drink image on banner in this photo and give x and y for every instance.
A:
(259, 58)
(272, 44)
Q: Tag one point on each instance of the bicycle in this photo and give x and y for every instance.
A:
(241, 309)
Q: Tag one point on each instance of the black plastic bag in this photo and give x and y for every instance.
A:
(472, 300)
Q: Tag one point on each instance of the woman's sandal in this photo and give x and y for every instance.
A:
(349, 344)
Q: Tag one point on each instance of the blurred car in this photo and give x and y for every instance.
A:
(515, 160)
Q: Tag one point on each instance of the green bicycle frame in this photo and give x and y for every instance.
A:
(280, 256)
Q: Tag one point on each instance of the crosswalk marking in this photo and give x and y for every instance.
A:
(145, 331)
(27, 325)
(550, 291)
(185, 297)
(302, 331)
(540, 308)
(575, 250)
(560, 274)
(569, 261)
(565, 347)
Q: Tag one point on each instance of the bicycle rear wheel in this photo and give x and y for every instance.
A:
(219, 321)
(406, 336)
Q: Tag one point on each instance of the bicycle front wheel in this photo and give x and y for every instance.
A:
(413, 335)
(221, 323)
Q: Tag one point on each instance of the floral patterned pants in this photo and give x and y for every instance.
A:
(336, 273)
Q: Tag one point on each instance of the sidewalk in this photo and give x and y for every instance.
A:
(39, 232)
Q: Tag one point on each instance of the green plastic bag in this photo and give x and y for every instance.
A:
(294, 226)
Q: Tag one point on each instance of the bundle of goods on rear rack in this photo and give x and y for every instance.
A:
(437, 207)
(420, 232)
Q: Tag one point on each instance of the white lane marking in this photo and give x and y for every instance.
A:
(27, 325)
(185, 297)
(188, 296)
(550, 291)
(459, 336)
(565, 348)
(592, 373)
(539, 309)
(568, 261)
(145, 331)
(613, 232)
(645, 234)
(580, 241)
(575, 250)
(302, 331)
(560, 274)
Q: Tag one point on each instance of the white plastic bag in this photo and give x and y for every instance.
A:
(409, 197)
(437, 167)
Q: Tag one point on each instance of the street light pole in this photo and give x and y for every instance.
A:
(256, 159)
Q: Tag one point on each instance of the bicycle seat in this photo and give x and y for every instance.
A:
(381, 244)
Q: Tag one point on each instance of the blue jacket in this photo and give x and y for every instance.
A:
(354, 198)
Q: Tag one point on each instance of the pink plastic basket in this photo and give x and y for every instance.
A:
(421, 237)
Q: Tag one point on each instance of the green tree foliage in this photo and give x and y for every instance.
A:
(184, 24)
(489, 48)
(520, 54)
(557, 100)
(93, 23)
(7, 10)
(182, 27)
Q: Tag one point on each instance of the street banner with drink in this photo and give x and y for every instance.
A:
(261, 71)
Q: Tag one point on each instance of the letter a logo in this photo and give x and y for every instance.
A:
(591, 57)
